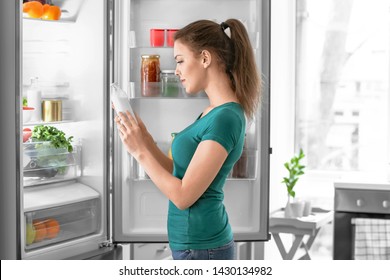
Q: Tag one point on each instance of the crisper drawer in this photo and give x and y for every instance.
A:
(62, 217)
(43, 163)
(362, 201)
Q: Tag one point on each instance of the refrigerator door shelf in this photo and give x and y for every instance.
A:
(43, 163)
(58, 224)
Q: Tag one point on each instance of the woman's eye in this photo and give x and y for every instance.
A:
(179, 62)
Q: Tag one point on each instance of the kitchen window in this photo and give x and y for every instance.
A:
(342, 97)
(342, 87)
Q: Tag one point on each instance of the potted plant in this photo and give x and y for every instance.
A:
(295, 169)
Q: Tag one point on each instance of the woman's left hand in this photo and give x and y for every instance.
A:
(133, 133)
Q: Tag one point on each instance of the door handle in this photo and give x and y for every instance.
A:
(359, 202)
(162, 250)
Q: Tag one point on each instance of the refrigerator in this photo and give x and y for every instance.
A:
(94, 198)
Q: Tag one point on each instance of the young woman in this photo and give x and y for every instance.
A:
(217, 59)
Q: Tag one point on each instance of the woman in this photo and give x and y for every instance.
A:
(217, 59)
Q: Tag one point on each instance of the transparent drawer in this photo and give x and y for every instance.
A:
(44, 163)
(62, 223)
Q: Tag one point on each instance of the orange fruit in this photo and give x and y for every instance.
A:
(40, 230)
(26, 7)
(52, 228)
(51, 13)
(45, 8)
(34, 9)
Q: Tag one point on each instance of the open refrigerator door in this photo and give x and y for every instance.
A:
(61, 159)
(143, 31)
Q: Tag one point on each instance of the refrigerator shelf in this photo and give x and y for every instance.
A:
(47, 123)
(155, 91)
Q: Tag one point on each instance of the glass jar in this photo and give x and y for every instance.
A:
(169, 83)
(150, 75)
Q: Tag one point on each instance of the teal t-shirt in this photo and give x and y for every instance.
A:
(205, 224)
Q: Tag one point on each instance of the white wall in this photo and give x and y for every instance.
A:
(282, 104)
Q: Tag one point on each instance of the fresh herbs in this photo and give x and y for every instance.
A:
(55, 136)
(25, 101)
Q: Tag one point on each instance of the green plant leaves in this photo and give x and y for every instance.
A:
(56, 137)
(295, 170)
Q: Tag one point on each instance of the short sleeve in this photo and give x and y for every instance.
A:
(225, 128)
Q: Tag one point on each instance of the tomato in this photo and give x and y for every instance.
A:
(51, 13)
(34, 9)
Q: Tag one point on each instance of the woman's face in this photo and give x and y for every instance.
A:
(189, 68)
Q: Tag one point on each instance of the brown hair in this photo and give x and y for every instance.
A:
(235, 54)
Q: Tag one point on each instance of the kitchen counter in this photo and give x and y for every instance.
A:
(363, 186)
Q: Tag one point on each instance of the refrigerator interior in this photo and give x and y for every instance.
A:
(70, 187)
(145, 218)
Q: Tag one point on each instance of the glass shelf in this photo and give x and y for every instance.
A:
(178, 92)
(46, 123)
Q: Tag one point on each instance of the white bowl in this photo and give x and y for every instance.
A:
(27, 113)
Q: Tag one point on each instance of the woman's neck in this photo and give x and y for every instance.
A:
(219, 90)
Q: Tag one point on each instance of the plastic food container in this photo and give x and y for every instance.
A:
(169, 83)
(150, 75)
(157, 37)
(171, 36)
(43, 163)
(52, 110)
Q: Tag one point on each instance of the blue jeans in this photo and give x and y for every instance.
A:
(225, 252)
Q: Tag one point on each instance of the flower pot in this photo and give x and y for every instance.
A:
(294, 209)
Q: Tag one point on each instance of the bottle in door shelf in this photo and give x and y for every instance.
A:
(240, 169)
(34, 97)
(150, 75)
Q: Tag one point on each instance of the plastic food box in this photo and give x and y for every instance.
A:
(44, 163)
(61, 213)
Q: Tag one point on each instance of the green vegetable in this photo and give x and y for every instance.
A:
(56, 137)
(46, 157)
(25, 101)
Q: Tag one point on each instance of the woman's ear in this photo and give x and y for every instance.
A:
(206, 58)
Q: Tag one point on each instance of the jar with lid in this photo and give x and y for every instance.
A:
(150, 75)
(170, 86)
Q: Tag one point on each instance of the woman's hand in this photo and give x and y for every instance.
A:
(133, 133)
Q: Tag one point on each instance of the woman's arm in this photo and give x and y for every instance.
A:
(155, 151)
(204, 166)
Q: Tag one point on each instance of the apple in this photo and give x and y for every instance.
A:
(30, 233)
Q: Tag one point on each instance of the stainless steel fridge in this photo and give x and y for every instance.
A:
(93, 197)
